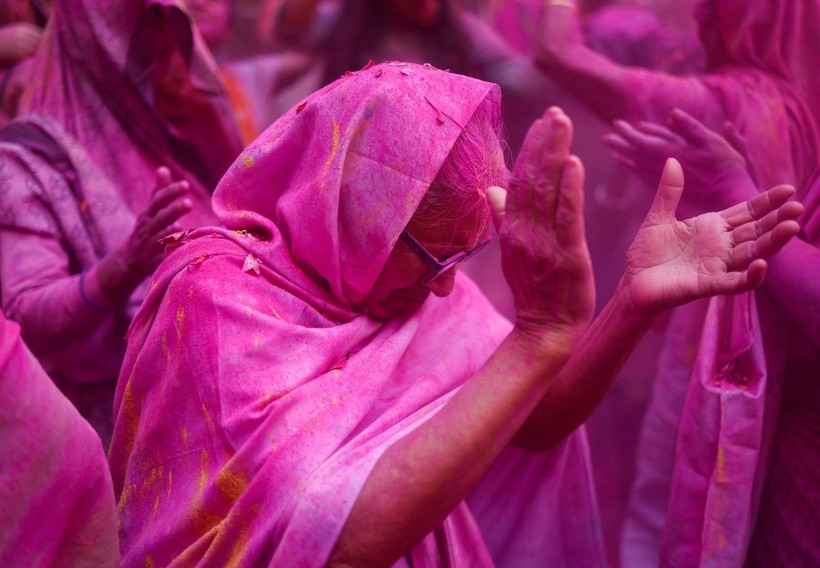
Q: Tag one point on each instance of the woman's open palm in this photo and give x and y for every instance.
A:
(671, 262)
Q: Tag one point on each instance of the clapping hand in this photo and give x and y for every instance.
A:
(142, 251)
(717, 169)
(540, 222)
(672, 262)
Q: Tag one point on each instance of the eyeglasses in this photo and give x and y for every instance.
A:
(440, 267)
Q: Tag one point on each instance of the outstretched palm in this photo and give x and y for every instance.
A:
(671, 262)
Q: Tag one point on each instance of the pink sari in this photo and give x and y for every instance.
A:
(56, 502)
(698, 504)
(117, 90)
(256, 398)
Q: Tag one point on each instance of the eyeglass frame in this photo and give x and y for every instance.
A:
(440, 267)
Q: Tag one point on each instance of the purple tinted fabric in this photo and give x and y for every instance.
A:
(57, 502)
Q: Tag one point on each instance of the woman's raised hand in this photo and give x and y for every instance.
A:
(715, 163)
(142, 251)
(560, 28)
(541, 226)
(672, 262)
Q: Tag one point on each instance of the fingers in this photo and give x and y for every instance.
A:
(757, 207)
(569, 219)
(168, 215)
(498, 200)
(690, 129)
(645, 141)
(162, 198)
(163, 178)
(669, 192)
(537, 172)
(754, 229)
(740, 281)
(661, 132)
(764, 246)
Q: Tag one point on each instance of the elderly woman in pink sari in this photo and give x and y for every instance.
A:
(55, 488)
(315, 384)
(119, 90)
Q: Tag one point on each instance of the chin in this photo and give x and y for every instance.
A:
(393, 307)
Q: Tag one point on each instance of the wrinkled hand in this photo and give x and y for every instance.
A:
(18, 41)
(142, 252)
(672, 262)
(717, 171)
(541, 226)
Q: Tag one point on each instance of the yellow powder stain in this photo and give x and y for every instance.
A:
(205, 521)
(247, 310)
(180, 321)
(722, 477)
(203, 473)
(130, 415)
(153, 477)
(155, 509)
(165, 348)
(208, 422)
(276, 314)
(149, 562)
(337, 136)
(334, 401)
(247, 160)
(231, 206)
(152, 286)
(127, 491)
(256, 340)
(183, 433)
(231, 484)
(190, 291)
(240, 544)
(170, 484)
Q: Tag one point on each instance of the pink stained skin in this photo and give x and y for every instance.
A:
(719, 168)
(58, 503)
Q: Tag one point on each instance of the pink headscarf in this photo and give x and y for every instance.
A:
(777, 36)
(133, 82)
(56, 501)
(255, 398)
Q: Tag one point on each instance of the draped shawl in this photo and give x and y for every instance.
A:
(255, 397)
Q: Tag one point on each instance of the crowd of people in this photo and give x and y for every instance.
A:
(235, 328)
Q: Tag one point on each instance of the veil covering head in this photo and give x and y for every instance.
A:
(338, 178)
(777, 36)
(135, 75)
(255, 398)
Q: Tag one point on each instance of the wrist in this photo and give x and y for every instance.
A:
(628, 310)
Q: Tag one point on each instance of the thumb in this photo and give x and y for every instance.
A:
(498, 201)
(669, 191)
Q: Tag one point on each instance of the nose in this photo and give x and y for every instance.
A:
(443, 285)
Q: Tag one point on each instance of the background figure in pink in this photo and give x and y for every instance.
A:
(783, 523)
(759, 80)
(314, 382)
(56, 501)
(117, 92)
(253, 82)
(21, 23)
